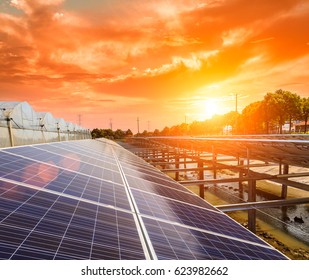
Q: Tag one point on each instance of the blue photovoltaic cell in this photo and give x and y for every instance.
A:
(202, 218)
(70, 161)
(47, 151)
(84, 155)
(144, 168)
(165, 191)
(176, 242)
(50, 177)
(42, 225)
(165, 181)
(90, 148)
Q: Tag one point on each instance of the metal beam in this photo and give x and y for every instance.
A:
(231, 167)
(171, 162)
(186, 169)
(263, 204)
(218, 181)
(273, 178)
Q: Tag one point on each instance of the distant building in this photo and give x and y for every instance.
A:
(301, 126)
(286, 128)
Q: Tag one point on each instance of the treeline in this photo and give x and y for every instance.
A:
(260, 117)
(110, 134)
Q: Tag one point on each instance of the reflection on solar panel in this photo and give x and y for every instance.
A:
(92, 199)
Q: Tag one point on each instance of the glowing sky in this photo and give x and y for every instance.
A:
(158, 60)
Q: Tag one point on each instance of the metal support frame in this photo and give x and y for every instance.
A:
(242, 166)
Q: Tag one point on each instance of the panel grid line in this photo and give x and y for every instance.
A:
(69, 223)
(33, 229)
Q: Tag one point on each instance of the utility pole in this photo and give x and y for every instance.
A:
(148, 123)
(80, 120)
(111, 124)
(138, 125)
(236, 101)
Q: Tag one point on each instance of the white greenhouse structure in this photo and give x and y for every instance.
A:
(21, 125)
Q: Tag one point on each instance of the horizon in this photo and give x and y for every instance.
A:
(164, 62)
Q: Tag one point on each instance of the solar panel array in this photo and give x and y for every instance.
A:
(93, 199)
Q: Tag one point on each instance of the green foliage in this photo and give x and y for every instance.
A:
(110, 134)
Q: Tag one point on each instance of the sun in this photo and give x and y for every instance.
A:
(210, 107)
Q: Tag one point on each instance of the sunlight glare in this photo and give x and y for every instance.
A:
(210, 108)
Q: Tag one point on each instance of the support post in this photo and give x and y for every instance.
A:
(251, 197)
(9, 122)
(241, 174)
(163, 159)
(185, 159)
(252, 212)
(284, 190)
(200, 164)
(177, 167)
(214, 162)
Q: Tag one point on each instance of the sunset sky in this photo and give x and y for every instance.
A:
(162, 61)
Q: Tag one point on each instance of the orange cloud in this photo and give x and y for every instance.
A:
(102, 55)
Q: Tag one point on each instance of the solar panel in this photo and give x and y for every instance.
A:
(106, 203)
(70, 161)
(165, 191)
(209, 219)
(171, 241)
(39, 225)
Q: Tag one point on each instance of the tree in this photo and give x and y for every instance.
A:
(231, 119)
(145, 133)
(129, 133)
(292, 105)
(252, 118)
(96, 133)
(165, 131)
(156, 132)
(119, 134)
(276, 108)
(305, 111)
